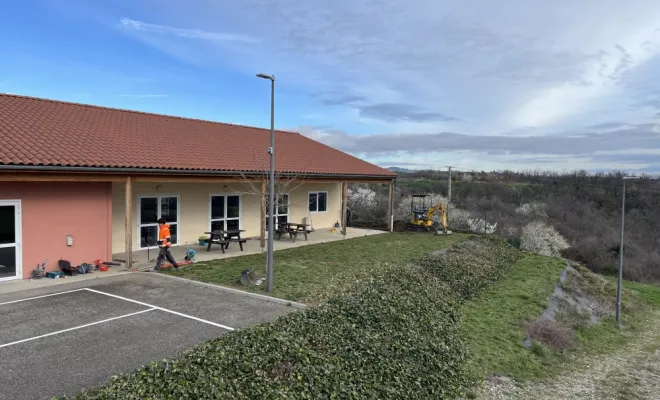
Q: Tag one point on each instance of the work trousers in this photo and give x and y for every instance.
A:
(163, 254)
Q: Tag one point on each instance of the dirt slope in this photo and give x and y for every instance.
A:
(633, 372)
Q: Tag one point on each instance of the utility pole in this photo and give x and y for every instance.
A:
(449, 187)
(271, 188)
(448, 192)
(485, 221)
(619, 282)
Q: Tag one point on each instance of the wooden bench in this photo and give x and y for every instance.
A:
(225, 243)
(279, 233)
(293, 233)
(222, 244)
(239, 241)
(224, 237)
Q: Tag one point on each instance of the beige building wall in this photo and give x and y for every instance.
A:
(298, 200)
(194, 207)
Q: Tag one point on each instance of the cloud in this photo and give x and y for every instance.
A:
(338, 98)
(639, 138)
(392, 112)
(608, 125)
(486, 83)
(198, 34)
(388, 112)
(531, 63)
(399, 163)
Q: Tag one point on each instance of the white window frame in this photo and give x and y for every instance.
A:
(139, 218)
(240, 210)
(276, 208)
(18, 245)
(327, 201)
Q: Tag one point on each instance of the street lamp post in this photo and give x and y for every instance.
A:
(271, 182)
(619, 282)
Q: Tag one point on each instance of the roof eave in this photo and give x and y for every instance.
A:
(179, 172)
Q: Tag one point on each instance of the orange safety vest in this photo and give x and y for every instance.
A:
(164, 238)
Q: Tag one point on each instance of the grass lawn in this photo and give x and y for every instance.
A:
(493, 320)
(303, 272)
(494, 323)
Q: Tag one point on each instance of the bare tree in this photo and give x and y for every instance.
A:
(255, 186)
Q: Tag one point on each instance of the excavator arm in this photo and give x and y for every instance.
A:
(443, 213)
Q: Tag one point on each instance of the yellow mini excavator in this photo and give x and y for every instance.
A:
(421, 217)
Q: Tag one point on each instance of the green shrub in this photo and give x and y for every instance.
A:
(514, 242)
(395, 334)
(471, 266)
(396, 337)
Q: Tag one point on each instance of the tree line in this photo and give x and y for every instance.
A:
(583, 208)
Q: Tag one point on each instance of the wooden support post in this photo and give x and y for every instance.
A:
(262, 235)
(128, 224)
(344, 207)
(390, 208)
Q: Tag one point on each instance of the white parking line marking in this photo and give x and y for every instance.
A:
(75, 328)
(162, 309)
(41, 297)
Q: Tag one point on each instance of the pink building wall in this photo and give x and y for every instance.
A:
(52, 210)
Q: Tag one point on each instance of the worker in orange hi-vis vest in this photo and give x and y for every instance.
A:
(164, 243)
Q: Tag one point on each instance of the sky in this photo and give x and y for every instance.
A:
(476, 84)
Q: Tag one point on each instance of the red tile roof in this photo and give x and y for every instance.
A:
(36, 131)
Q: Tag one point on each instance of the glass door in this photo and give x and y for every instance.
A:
(150, 209)
(281, 210)
(10, 240)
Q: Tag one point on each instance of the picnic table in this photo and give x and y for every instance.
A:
(224, 237)
(291, 228)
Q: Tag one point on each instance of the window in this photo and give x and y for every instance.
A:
(318, 201)
(151, 208)
(281, 214)
(225, 212)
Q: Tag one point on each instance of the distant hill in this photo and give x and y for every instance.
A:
(400, 169)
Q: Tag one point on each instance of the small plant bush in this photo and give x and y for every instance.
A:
(543, 239)
(533, 209)
(478, 225)
(471, 266)
(458, 218)
(551, 333)
(514, 242)
(363, 203)
(397, 337)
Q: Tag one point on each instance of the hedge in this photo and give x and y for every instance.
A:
(396, 337)
(471, 266)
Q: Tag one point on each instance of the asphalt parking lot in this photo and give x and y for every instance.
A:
(59, 340)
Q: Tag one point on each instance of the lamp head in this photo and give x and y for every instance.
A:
(265, 76)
